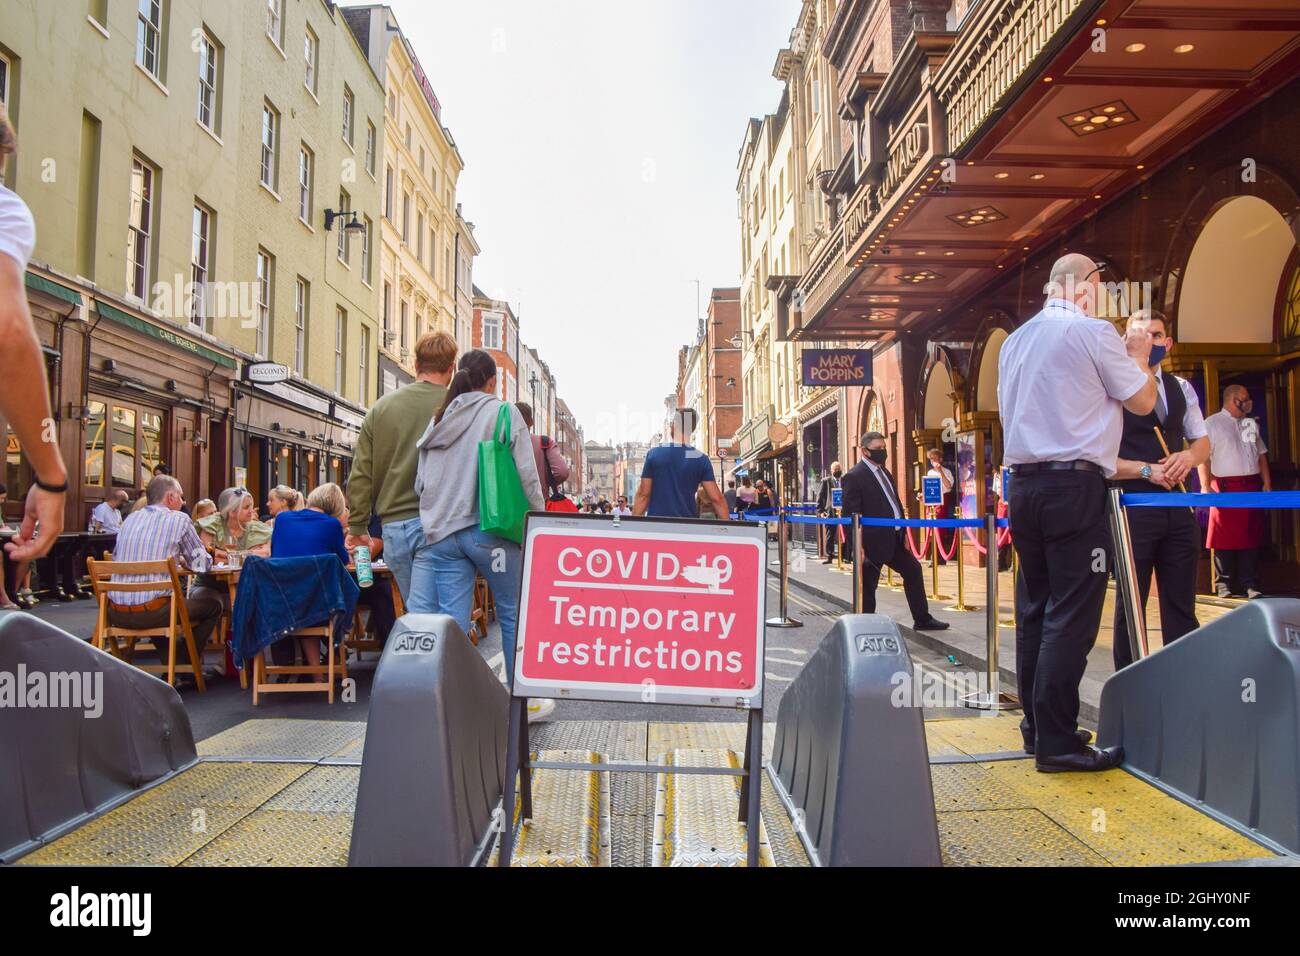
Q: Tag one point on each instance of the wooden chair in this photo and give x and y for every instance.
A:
(110, 638)
(336, 663)
(358, 640)
(485, 610)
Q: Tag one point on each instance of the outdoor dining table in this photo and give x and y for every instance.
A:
(230, 575)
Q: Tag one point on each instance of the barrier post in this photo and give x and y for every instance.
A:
(993, 698)
(839, 545)
(934, 563)
(961, 604)
(1015, 574)
(784, 620)
(858, 561)
(1126, 588)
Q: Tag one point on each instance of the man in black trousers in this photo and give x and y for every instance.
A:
(1064, 381)
(1166, 541)
(869, 492)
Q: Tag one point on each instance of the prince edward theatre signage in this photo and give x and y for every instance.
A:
(903, 160)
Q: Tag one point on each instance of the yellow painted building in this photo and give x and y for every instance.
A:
(418, 175)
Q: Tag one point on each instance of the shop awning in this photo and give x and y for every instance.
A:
(1039, 114)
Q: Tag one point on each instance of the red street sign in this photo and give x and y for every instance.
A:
(648, 610)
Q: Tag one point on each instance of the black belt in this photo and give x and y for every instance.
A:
(1034, 466)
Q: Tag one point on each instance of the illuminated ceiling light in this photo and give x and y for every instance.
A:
(1089, 129)
(1037, 176)
(1101, 23)
(920, 252)
(1135, 48)
(970, 162)
(1184, 48)
(1142, 166)
(1080, 118)
(1099, 119)
(1096, 196)
(1117, 119)
(950, 253)
(999, 266)
(1109, 109)
(1001, 175)
(1047, 79)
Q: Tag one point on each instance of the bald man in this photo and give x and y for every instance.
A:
(1065, 380)
(1238, 462)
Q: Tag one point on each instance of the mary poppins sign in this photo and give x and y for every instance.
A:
(836, 367)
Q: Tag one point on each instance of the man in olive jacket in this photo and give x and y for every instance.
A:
(383, 473)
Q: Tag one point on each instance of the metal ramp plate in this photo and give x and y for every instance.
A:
(570, 824)
(228, 812)
(696, 815)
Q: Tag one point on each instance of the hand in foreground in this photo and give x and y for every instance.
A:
(1160, 476)
(46, 509)
(1137, 342)
(1177, 466)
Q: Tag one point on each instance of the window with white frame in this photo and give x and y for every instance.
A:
(406, 216)
(301, 307)
(419, 236)
(200, 257)
(209, 63)
(363, 368)
(270, 137)
(306, 175)
(148, 37)
(403, 328)
(275, 21)
(349, 105)
(371, 140)
(310, 48)
(265, 278)
(340, 337)
(345, 250)
(139, 233)
(388, 192)
(492, 330)
(433, 253)
(388, 309)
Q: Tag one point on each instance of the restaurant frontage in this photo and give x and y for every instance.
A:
(291, 433)
(129, 391)
(1156, 138)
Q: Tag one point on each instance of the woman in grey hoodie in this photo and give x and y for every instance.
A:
(446, 480)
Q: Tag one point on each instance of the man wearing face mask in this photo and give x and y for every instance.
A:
(869, 492)
(1238, 462)
(826, 505)
(1166, 541)
(1065, 379)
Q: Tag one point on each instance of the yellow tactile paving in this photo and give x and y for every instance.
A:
(975, 735)
(173, 820)
(696, 814)
(570, 821)
(1009, 838)
(1125, 820)
(283, 737)
(280, 838)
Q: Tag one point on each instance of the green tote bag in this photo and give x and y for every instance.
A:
(502, 503)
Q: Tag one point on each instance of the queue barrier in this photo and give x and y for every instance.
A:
(851, 768)
(430, 798)
(103, 731)
(1214, 718)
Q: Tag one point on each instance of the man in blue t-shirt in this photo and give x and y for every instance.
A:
(673, 473)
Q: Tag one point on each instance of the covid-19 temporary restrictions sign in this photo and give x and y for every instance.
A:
(646, 610)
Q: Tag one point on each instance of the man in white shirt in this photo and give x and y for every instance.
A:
(107, 516)
(1064, 381)
(869, 492)
(1166, 541)
(1238, 462)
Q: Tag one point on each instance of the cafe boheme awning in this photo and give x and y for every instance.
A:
(982, 145)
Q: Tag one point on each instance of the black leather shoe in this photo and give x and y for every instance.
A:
(931, 624)
(829, 561)
(1085, 738)
(1086, 761)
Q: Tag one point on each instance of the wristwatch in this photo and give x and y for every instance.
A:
(1145, 472)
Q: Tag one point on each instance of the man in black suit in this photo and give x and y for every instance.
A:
(825, 507)
(869, 491)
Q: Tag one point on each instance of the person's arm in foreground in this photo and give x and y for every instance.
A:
(642, 500)
(25, 403)
(360, 488)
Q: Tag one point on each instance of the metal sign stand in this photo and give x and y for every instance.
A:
(1126, 577)
(520, 763)
(994, 698)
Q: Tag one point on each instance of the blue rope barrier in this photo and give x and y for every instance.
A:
(1225, 499)
(880, 522)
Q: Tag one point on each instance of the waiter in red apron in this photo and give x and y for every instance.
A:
(1238, 462)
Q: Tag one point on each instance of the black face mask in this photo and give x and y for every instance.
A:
(878, 455)
(837, 472)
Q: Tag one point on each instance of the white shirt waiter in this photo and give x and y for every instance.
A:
(1063, 377)
(1235, 445)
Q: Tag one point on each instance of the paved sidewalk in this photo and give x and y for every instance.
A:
(966, 639)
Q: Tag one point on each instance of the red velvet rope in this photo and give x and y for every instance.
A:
(921, 552)
(947, 555)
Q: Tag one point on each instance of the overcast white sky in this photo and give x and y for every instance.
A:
(600, 140)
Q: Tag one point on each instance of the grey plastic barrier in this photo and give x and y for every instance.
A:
(79, 732)
(1215, 716)
(433, 769)
(854, 765)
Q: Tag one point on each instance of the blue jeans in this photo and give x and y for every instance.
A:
(409, 555)
(455, 560)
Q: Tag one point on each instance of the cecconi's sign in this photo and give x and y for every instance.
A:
(646, 610)
(267, 373)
